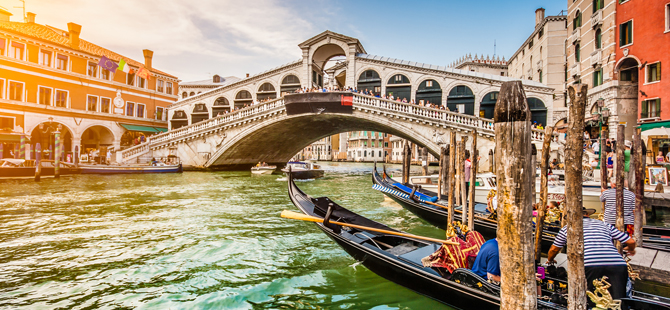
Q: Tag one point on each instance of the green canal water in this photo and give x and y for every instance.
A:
(197, 240)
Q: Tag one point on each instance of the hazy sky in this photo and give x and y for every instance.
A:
(194, 39)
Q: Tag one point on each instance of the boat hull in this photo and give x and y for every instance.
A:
(104, 169)
(262, 170)
(306, 174)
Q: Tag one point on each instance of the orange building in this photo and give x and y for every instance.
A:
(50, 79)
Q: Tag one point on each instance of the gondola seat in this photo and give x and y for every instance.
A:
(471, 279)
(415, 256)
(418, 194)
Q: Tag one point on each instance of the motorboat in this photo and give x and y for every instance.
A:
(12, 168)
(303, 170)
(263, 169)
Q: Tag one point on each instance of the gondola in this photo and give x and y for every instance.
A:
(11, 169)
(398, 259)
(655, 238)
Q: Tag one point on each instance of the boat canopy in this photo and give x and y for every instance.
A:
(13, 161)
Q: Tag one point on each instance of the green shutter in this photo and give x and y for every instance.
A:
(658, 107)
(630, 32)
(621, 35)
(658, 71)
(643, 114)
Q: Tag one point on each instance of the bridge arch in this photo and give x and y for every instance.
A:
(179, 119)
(220, 106)
(290, 82)
(400, 86)
(429, 90)
(243, 97)
(538, 110)
(199, 113)
(370, 80)
(267, 90)
(461, 98)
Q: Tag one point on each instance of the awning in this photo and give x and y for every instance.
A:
(140, 128)
(161, 129)
(652, 125)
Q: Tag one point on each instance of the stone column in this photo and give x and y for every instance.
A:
(351, 66)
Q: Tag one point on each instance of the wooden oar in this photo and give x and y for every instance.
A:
(445, 207)
(303, 217)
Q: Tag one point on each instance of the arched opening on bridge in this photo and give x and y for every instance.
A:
(242, 98)
(488, 105)
(200, 113)
(289, 84)
(221, 105)
(179, 119)
(192, 94)
(399, 86)
(562, 125)
(266, 91)
(319, 59)
(369, 80)
(96, 140)
(429, 91)
(461, 99)
(44, 135)
(538, 110)
(184, 95)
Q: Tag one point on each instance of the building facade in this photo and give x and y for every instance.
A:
(365, 146)
(190, 89)
(541, 58)
(50, 80)
(491, 65)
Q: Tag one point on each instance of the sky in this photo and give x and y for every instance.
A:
(195, 39)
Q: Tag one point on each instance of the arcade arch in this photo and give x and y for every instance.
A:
(179, 119)
(200, 113)
(461, 99)
(266, 91)
(370, 80)
(429, 91)
(320, 57)
(44, 135)
(96, 138)
(488, 105)
(399, 86)
(289, 84)
(192, 93)
(243, 97)
(538, 110)
(221, 105)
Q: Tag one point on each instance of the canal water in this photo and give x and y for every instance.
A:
(197, 240)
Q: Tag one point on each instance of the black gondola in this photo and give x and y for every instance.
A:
(398, 259)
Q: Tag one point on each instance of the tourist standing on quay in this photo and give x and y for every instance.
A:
(601, 258)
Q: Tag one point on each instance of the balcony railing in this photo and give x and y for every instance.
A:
(539, 65)
(597, 19)
(576, 70)
(596, 58)
(576, 36)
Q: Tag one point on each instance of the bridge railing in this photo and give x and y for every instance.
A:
(216, 121)
(135, 151)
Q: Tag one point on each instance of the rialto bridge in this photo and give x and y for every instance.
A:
(202, 133)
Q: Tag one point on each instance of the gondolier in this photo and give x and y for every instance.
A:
(601, 258)
(609, 198)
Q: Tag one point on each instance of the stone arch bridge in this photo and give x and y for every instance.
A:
(276, 130)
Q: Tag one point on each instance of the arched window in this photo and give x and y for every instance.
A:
(578, 55)
(266, 91)
(429, 91)
(461, 99)
(369, 80)
(184, 95)
(243, 97)
(538, 110)
(488, 105)
(399, 86)
(192, 94)
(577, 21)
(289, 84)
(200, 113)
(599, 39)
(221, 105)
(598, 5)
(179, 119)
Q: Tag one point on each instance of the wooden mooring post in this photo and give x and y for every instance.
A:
(513, 171)
(406, 161)
(38, 158)
(638, 164)
(452, 176)
(462, 189)
(57, 152)
(574, 150)
(424, 160)
(473, 181)
(442, 180)
(544, 182)
(619, 176)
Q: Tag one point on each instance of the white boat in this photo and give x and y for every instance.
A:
(303, 170)
(263, 169)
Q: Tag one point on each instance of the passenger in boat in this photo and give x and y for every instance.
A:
(154, 162)
(609, 198)
(487, 263)
(601, 258)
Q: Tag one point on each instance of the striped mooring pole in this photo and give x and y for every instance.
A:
(22, 147)
(2, 151)
(16, 151)
(38, 158)
(57, 155)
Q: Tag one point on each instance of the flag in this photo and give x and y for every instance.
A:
(123, 66)
(107, 64)
(143, 73)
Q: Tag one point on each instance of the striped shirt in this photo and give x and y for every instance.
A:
(609, 198)
(599, 249)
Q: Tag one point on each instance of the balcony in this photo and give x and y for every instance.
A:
(576, 70)
(576, 36)
(597, 19)
(539, 65)
(596, 58)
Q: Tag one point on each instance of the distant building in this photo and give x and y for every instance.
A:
(491, 65)
(190, 89)
(541, 58)
(51, 81)
(365, 146)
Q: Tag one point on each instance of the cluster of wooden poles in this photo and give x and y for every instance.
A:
(20, 151)
(514, 165)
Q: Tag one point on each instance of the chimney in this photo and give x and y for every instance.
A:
(247, 74)
(216, 79)
(30, 17)
(4, 15)
(539, 16)
(148, 55)
(73, 32)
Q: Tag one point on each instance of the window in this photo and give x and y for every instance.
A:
(159, 113)
(7, 122)
(540, 33)
(159, 85)
(91, 69)
(386, 144)
(130, 78)
(598, 77)
(130, 109)
(140, 110)
(654, 72)
(141, 82)
(577, 22)
(105, 105)
(92, 103)
(667, 19)
(429, 83)
(168, 88)
(17, 50)
(15, 91)
(626, 33)
(577, 53)
(61, 98)
(61, 62)
(540, 76)
(104, 74)
(45, 58)
(598, 5)
(3, 43)
(530, 44)
(651, 108)
(44, 95)
(599, 39)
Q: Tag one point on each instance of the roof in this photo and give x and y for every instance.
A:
(448, 70)
(51, 35)
(4, 11)
(224, 81)
(328, 33)
(537, 29)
